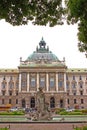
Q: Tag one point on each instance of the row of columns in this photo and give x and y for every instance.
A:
(47, 82)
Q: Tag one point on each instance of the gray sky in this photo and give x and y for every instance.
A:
(21, 41)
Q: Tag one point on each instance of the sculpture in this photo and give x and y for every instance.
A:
(43, 111)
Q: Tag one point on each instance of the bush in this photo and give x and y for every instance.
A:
(70, 113)
(84, 111)
(81, 128)
(12, 113)
(58, 110)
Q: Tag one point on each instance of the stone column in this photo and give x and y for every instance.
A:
(56, 82)
(28, 82)
(19, 82)
(65, 82)
(47, 82)
(37, 81)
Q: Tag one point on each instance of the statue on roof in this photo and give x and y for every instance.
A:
(42, 43)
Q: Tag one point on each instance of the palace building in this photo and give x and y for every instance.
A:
(63, 87)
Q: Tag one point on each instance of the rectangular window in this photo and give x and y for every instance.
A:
(81, 92)
(32, 82)
(60, 83)
(2, 101)
(16, 101)
(60, 75)
(68, 101)
(51, 82)
(3, 93)
(66, 77)
(73, 85)
(80, 78)
(9, 101)
(23, 84)
(67, 85)
(74, 101)
(81, 85)
(42, 82)
(10, 93)
(3, 85)
(82, 101)
(24, 80)
(11, 85)
(73, 77)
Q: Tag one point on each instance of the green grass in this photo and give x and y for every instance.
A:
(12, 113)
(4, 128)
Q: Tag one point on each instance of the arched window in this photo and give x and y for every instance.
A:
(23, 103)
(52, 102)
(61, 103)
(32, 102)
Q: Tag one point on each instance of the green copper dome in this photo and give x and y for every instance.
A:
(42, 53)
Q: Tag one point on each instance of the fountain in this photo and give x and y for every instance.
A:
(43, 111)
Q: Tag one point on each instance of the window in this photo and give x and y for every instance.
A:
(81, 92)
(74, 101)
(17, 85)
(3, 85)
(82, 101)
(11, 85)
(24, 80)
(52, 102)
(67, 85)
(16, 101)
(74, 85)
(32, 102)
(3, 93)
(2, 101)
(60, 75)
(9, 101)
(73, 77)
(60, 83)
(16, 93)
(4, 78)
(81, 85)
(23, 84)
(32, 82)
(51, 82)
(66, 77)
(80, 78)
(10, 78)
(68, 101)
(10, 93)
(74, 93)
(42, 82)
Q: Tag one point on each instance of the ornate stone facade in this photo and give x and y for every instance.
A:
(63, 87)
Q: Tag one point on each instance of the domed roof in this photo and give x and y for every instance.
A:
(42, 53)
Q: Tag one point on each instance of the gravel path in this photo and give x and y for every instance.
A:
(45, 126)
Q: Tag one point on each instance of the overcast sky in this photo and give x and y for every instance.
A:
(21, 41)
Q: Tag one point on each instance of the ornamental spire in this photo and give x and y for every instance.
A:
(42, 43)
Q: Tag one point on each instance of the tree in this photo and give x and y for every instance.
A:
(52, 12)
(40, 12)
(77, 13)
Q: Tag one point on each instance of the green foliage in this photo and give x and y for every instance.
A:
(71, 113)
(52, 12)
(81, 128)
(58, 110)
(84, 111)
(12, 113)
(77, 13)
(18, 12)
(4, 128)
